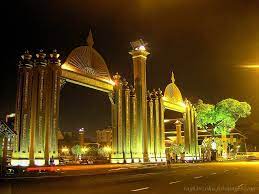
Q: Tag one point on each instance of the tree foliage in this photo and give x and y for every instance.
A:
(221, 117)
(177, 148)
(78, 150)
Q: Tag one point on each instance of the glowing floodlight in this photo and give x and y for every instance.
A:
(138, 45)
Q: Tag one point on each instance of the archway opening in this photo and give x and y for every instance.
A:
(85, 121)
(174, 134)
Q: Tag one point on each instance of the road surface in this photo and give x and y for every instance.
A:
(228, 177)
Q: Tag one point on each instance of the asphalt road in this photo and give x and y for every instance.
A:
(228, 177)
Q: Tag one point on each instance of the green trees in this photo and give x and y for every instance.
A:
(176, 149)
(221, 117)
(78, 150)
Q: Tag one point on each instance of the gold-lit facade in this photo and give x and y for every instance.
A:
(138, 131)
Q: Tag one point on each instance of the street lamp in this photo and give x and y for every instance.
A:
(65, 150)
(107, 150)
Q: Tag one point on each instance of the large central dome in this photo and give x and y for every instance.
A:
(87, 61)
(172, 92)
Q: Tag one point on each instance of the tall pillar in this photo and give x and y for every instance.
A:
(38, 110)
(151, 142)
(187, 130)
(136, 148)
(20, 154)
(52, 107)
(196, 146)
(178, 126)
(117, 156)
(114, 124)
(161, 126)
(139, 57)
(156, 126)
(126, 122)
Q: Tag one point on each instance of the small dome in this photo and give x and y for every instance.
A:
(86, 60)
(173, 93)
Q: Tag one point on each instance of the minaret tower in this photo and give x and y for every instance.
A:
(139, 57)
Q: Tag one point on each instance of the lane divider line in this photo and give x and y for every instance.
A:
(174, 182)
(197, 177)
(140, 189)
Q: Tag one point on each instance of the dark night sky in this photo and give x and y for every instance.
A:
(203, 41)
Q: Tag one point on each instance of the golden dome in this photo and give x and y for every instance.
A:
(172, 92)
(86, 60)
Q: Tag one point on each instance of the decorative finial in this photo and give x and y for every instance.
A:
(26, 60)
(41, 54)
(154, 94)
(125, 83)
(90, 41)
(159, 92)
(54, 57)
(149, 95)
(172, 78)
(132, 91)
(26, 55)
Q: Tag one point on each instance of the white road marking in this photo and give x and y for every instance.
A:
(174, 182)
(213, 173)
(226, 170)
(140, 189)
(117, 169)
(150, 173)
(197, 177)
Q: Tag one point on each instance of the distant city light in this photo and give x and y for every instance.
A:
(65, 150)
(81, 129)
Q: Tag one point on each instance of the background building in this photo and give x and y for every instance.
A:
(104, 136)
(6, 139)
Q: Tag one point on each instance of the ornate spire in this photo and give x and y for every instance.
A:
(40, 58)
(26, 60)
(172, 78)
(54, 57)
(89, 40)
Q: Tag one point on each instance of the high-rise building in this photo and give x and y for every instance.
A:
(81, 136)
(104, 136)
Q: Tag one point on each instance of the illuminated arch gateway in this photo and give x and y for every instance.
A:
(137, 115)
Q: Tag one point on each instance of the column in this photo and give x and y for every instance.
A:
(20, 154)
(136, 148)
(151, 142)
(162, 126)
(52, 107)
(187, 131)
(114, 124)
(38, 110)
(196, 146)
(126, 123)
(178, 126)
(156, 126)
(139, 57)
(117, 156)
